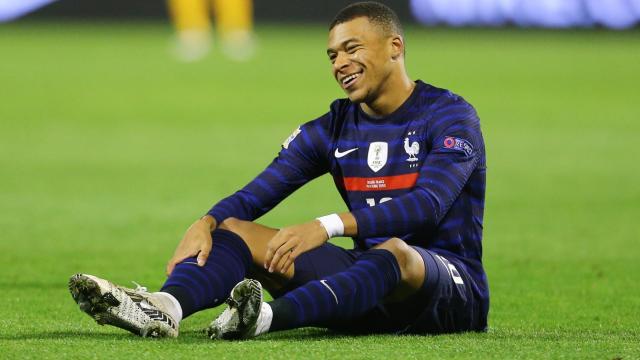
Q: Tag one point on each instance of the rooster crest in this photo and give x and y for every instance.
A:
(412, 149)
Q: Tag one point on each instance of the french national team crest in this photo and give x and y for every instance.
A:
(377, 158)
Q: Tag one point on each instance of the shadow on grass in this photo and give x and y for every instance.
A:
(66, 335)
(321, 335)
(307, 334)
(91, 335)
(316, 334)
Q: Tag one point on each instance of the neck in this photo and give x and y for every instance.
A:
(395, 92)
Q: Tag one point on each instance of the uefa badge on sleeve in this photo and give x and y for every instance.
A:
(458, 144)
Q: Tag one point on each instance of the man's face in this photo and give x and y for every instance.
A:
(361, 57)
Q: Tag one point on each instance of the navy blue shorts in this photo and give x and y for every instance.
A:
(444, 304)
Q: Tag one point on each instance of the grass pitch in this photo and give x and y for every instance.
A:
(109, 149)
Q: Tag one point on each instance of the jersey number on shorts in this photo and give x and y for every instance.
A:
(455, 275)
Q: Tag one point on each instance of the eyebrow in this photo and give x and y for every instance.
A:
(332, 50)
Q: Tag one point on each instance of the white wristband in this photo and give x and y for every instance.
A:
(332, 224)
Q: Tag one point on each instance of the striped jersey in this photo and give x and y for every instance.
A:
(417, 174)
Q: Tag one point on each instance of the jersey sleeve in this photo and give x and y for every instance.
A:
(456, 146)
(303, 157)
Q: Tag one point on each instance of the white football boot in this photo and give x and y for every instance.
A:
(135, 310)
(245, 317)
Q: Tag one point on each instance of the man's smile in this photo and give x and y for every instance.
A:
(347, 81)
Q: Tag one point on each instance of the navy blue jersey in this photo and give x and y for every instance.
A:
(417, 174)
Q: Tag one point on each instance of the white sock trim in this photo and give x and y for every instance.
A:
(174, 309)
(264, 319)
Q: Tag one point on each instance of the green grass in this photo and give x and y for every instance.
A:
(109, 149)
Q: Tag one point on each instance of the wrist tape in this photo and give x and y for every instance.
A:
(332, 224)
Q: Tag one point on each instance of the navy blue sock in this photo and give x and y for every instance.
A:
(344, 295)
(197, 288)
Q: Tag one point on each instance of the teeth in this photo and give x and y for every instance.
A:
(350, 77)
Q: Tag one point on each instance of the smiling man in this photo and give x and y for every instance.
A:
(407, 158)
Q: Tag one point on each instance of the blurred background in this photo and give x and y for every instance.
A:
(121, 122)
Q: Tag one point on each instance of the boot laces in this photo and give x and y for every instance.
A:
(139, 288)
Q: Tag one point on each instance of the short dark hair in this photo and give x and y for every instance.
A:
(376, 12)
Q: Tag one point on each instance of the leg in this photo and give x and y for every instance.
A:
(430, 294)
(190, 288)
(385, 290)
(256, 237)
(392, 269)
(234, 22)
(192, 23)
(447, 302)
(412, 269)
(313, 265)
(247, 313)
(201, 287)
(239, 249)
(444, 302)
(343, 295)
(189, 15)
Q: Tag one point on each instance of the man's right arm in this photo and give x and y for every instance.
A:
(302, 158)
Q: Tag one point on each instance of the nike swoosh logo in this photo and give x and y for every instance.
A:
(324, 282)
(339, 154)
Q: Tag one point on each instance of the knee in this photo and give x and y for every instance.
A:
(240, 228)
(232, 224)
(409, 260)
(235, 226)
(400, 250)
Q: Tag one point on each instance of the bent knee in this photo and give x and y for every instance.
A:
(239, 227)
(232, 224)
(400, 249)
(412, 270)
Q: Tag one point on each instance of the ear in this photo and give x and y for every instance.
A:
(397, 47)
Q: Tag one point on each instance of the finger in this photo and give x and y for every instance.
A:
(293, 255)
(283, 261)
(279, 254)
(178, 258)
(267, 258)
(287, 264)
(171, 265)
(274, 261)
(203, 255)
(272, 246)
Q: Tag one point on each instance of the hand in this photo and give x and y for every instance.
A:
(292, 241)
(196, 241)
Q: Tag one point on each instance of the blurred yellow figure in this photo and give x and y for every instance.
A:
(234, 24)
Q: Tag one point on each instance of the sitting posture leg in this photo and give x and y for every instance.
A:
(237, 245)
(190, 287)
(393, 269)
(202, 287)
